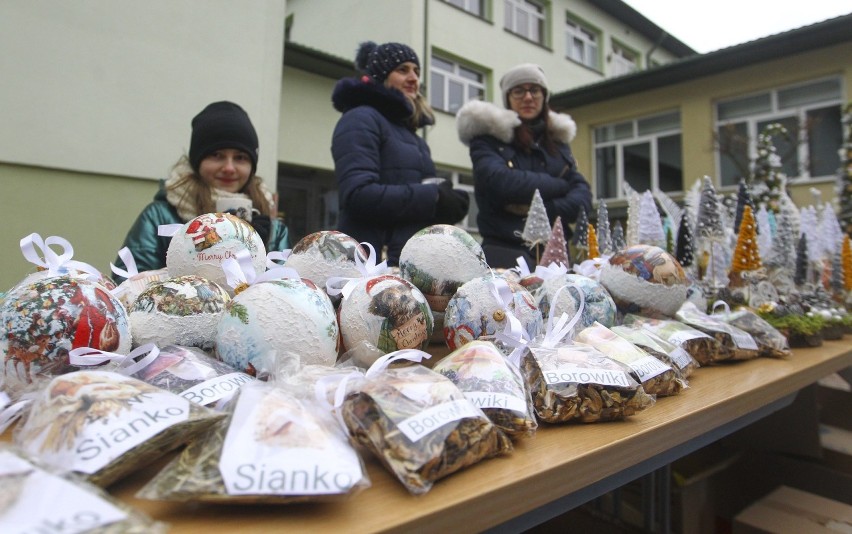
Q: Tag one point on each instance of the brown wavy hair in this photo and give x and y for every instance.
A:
(199, 194)
(524, 139)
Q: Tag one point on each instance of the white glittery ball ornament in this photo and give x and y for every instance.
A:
(645, 280)
(129, 290)
(598, 305)
(321, 255)
(42, 321)
(477, 310)
(178, 311)
(278, 325)
(439, 259)
(200, 246)
(386, 312)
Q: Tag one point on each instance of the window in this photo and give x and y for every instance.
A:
(465, 183)
(646, 153)
(810, 112)
(525, 18)
(624, 61)
(452, 84)
(471, 6)
(581, 44)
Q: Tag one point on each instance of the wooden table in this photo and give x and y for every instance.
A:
(555, 471)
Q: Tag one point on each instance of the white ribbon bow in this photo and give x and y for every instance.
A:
(129, 262)
(168, 230)
(127, 364)
(240, 271)
(521, 267)
(337, 285)
(412, 355)
(723, 305)
(276, 255)
(553, 270)
(556, 332)
(38, 251)
(321, 388)
(513, 334)
(11, 411)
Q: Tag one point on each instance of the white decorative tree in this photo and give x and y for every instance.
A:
(716, 273)
(783, 253)
(633, 204)
(537, 226)
(650, 230)
(602, 230)
(618, 241)
(810, 228)
(765, 235)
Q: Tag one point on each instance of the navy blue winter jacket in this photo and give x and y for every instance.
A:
(380, 163)
(506, 178)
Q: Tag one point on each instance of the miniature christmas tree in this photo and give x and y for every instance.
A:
(764, 232)
(746, 256)
(594, 252)
(844, 176)
(837, 281)
(786, 205)
(717, 266)
(830, 233)
(650, 227)
(801, 275)
(743, 199)
(684, 250)
(633, 208)
(537, 227)
(709, 223)
(603, 231)
(556, 250)
(580, 239)
(669, 239)
(618, 241)
(810, 224)
(768, 180)
(846, 255)
(783, 252)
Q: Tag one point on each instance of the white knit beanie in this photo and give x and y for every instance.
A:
(520, 74)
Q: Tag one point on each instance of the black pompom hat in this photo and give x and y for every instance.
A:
(222, 125)
(379, 60)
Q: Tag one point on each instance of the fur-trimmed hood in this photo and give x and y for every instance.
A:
(483, 118)
(349, 93)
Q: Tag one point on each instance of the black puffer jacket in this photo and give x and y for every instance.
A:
(380, 163)
(506, 179)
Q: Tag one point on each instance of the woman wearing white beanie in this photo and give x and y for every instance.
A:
(515, 151)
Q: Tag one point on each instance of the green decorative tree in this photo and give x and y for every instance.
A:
(844, 176)
(801, 275)
(580, 239)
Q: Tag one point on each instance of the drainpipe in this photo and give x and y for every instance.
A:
(425, 70)
(657, 44)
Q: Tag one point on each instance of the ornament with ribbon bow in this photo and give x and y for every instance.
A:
(340, 285)
(39, 252)
(240, 272)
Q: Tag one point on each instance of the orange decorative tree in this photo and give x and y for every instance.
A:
(593, 243)
(746, 255)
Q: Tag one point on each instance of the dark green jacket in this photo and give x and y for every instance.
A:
(149, 249)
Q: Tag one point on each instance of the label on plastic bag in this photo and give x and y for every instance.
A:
(680, 357)
(648, 367)
(47, 503)
(492, 399)
(743, 341)
(431, 419)
(574, 374)
(215, 389)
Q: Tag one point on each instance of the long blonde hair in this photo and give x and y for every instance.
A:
(197, 193)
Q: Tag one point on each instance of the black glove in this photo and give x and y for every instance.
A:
(452, 204)
(262, 225)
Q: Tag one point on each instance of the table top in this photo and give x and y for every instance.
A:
(559, 460)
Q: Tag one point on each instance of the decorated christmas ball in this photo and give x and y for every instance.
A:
(128, 291)
(439, 259)
(276, 326)
(94, 276)
(598, 305)
(475, 311)
(646, 280)
(178, 311)
(385, 312)
(321, 255)
(42, 321)
(202, 244)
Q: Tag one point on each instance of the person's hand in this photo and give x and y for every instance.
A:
(262, 225)
(452, 204)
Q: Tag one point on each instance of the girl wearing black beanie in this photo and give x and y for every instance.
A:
(221, 163)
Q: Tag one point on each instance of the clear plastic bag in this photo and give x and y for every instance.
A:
(680, 360)
(736, 344)
(705, 349)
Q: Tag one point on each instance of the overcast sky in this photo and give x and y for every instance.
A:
(707, 26)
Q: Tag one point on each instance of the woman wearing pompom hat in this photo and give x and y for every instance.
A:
(221, 163)
(383, 167)
(515, 151)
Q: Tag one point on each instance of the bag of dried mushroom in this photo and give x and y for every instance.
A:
(577, 383)
(276, 446)
(493, 384)
(186, 371)
(771, 342)
(104, 425)
(656, 377)
(34, 499)
(418, 423)
(677, 358)
(705, 349)
(736, 344)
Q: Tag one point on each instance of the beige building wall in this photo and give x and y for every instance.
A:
(97, 98)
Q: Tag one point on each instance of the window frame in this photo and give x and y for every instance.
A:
(466, 7)
(576, 28)
(633, 139)
(455, 76)
(776, 112)
(536, 12)
(619, 61)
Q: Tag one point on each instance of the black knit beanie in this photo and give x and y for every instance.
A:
(222, 125)
(379, 60)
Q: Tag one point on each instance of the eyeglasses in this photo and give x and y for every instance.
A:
(519, 92)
